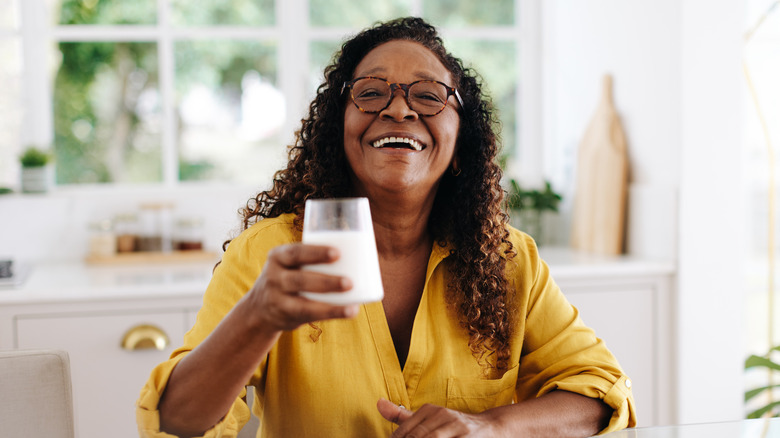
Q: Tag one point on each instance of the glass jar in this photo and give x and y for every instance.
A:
(188, 234)
(154, 228)
(126, 230)
(102, 240)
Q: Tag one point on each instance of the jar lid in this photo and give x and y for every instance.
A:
(102, 225)
(189, 222)
(156, 205)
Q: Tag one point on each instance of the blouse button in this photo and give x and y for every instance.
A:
(628, 383)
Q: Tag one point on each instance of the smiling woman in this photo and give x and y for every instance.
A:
(472, 336)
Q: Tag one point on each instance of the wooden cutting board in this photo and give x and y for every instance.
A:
(599, 217)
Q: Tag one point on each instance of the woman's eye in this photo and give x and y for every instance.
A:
(368, 94)
(428, 96)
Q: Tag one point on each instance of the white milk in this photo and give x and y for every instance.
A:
(358, 261)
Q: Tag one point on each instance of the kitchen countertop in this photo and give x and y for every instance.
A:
(76, 280)
(73, 281)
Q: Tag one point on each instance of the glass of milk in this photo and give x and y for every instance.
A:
(346, 225)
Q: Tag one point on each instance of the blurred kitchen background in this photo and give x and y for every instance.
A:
(188, 107)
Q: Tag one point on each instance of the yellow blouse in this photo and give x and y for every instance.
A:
(325, 379)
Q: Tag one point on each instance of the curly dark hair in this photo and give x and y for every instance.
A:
(468, 211)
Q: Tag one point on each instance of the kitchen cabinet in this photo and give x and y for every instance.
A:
(87, 310)
(628, 303)
(88, 316)
(106, 378)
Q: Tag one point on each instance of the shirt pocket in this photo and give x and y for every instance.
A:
(478, 395)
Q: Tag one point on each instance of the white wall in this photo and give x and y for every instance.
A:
(54, 226)
(712, 231)
(637, 42)
(677, 88)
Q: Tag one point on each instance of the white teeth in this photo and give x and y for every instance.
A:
(411, 142)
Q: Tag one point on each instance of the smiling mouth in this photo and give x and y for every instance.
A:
(398, 143)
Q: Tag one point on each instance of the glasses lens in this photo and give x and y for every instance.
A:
(427, 98)
(371, 95)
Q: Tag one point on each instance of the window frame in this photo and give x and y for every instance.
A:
(293, 36)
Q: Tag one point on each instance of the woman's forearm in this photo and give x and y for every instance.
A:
(557, 414)
(204, 385)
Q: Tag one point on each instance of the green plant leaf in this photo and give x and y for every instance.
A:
(515, 198)
(758, 413)
(754, 392)
(34, 157)
(758, 361)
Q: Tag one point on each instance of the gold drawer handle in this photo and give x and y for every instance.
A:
(145, 337)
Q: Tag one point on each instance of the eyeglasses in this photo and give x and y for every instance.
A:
(427, 98)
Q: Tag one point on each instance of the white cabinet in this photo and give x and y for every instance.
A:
(106, 378)
(629, 305)
(87, 311)
(88, 318)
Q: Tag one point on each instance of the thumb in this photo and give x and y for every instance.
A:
(392, 412)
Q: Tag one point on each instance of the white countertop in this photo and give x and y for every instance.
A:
(76, 280)
(566, 263)
(69, 281)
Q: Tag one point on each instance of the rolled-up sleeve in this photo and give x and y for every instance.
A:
(241, 265)
(561, 352)
(148, 414)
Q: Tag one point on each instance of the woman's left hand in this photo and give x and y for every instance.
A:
(435, 421)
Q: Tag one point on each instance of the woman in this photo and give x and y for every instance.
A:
(473, 338)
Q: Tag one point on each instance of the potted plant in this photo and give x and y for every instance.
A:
(35, 170)
(529, 207)
(766, 405)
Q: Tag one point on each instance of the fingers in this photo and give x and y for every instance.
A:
(285, 263)
(431, 421)
(275, 292)
(296, 255)
(392, 412)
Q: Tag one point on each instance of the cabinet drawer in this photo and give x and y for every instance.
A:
(106, 378)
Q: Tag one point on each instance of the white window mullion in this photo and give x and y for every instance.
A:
(416, 8)
(293, 56)
(165, 53)
(528, 117)
(38, 119)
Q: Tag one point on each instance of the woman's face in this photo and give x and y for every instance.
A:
(380, 166)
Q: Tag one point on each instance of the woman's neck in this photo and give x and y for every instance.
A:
(401, 228)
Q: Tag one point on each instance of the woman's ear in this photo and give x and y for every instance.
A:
(454, 168)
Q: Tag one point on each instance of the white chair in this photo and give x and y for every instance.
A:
(36, 399)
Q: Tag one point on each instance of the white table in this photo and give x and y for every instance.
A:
(735, 429)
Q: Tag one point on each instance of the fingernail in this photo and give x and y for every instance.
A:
(351, 311)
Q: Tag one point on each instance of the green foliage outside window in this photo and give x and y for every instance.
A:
(463, 13)
(107, 101)
(98, 130)
(107, 12)
(352, 14)
(223, 12)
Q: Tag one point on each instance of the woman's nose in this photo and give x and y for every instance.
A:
(398, 108)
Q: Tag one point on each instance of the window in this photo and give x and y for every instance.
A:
(169, 91)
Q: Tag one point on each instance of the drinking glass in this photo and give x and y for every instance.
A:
(346, 225)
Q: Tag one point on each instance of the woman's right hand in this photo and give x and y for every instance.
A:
(275, 294)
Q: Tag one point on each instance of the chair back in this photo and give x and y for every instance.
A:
(36, 398)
